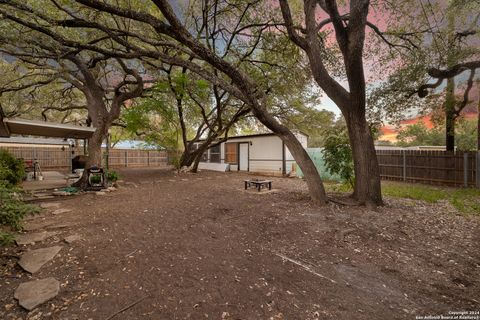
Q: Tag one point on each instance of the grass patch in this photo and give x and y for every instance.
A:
(465, 200)
(336, 187)
(413, 191)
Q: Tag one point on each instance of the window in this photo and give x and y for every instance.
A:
(215, 154)
(231, 153)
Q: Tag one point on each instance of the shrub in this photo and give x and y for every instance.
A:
(338, 157)
(12, 207)
(6, 238)
(12, 170)
(112, 176)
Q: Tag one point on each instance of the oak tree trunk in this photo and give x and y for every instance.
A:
(94, 151)
(196, 163)
(198, 156)
(367, 187)
(310, 173)
(187, 158)
(450, 115)
(478, 118)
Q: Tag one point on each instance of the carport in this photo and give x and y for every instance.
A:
(23, 127)
(15, 126)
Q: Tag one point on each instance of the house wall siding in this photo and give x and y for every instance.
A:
(265, 154)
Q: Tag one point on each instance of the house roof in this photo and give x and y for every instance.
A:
(252, 135)
(44, 129)
(257, 135)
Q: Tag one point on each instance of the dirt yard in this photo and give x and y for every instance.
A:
(197, 246)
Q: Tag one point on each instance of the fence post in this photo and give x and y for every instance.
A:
(148, 158)
(404, 165)
(126, 159)
(465, 169)
(477, 169)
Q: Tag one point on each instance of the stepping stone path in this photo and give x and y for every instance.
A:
(72, 238)
(43, 196)
(29, 238)
(133, 184)
(61, 193)
(61, 210)
(31, 226)
(32, 261)
(33, 293)
(49, 205)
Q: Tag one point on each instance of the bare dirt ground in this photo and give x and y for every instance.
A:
(197, 246)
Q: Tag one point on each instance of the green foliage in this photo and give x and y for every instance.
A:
(95, 179)
(315, 123)
(439, 46)
(419, 135)
(6, 238)
(338, 156)
(12, 170)
(174, 158)
(113, 176)
(12, 208)
(156, 117)
(466, 135)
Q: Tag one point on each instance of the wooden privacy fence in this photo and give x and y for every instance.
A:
(137, 158)
(48, 157)
(55, 158)
(432, 167)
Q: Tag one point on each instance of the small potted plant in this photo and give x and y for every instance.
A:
(112, 177)
(95, 180)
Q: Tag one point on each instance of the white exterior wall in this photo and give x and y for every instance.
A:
(289, 161)
(265, 154)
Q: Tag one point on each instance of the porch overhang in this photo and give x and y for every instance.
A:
(44, 129)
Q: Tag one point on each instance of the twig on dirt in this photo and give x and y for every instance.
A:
(127, 307)
(236, 217)
(305, 267)
(131, 253)
(14, 256)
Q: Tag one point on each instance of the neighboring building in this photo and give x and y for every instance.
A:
(258, 153)
(424, 148)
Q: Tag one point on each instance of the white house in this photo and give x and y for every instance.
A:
(258, 153)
